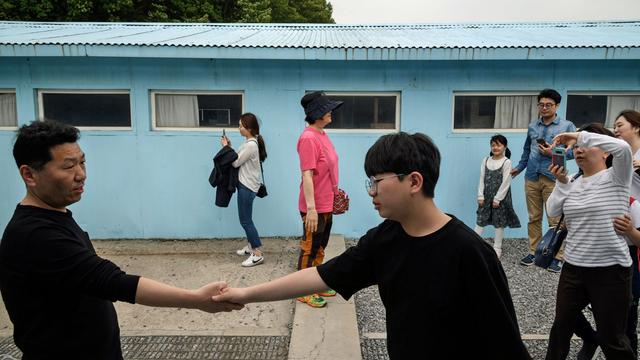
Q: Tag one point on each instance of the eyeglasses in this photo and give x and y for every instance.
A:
(372, 182)
(546, 105)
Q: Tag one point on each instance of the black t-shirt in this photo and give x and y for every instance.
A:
(57, 291)
(445, 294)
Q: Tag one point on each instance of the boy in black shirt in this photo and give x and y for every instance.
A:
(443, 288)
(57, 291)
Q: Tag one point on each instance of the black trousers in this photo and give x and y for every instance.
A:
(608, 289)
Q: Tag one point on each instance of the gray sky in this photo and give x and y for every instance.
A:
(438, 11)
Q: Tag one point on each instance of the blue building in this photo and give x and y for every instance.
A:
(152, 101)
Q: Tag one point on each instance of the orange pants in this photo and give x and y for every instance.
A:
(313, 243)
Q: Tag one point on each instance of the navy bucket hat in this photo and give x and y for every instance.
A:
(316, 104)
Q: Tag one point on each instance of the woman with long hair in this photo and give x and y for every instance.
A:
(251, 154)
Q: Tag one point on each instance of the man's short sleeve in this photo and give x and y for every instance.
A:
(308, 153)
(352, 270)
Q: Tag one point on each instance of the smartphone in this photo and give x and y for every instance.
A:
(541, 141)
(224, 133)
(559, 157)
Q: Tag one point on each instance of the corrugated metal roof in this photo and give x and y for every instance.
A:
(299, 36)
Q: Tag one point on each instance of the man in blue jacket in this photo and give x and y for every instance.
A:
(536, 158)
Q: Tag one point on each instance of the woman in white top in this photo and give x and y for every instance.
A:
(597, 262)
(250, 156)
(627, 128)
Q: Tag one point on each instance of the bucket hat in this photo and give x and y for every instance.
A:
(316, 104)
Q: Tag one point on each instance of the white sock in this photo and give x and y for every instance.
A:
(478, 230)
(497, 240)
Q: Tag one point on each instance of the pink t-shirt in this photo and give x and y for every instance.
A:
(317, 153)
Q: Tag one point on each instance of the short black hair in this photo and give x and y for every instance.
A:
(34, 142)
(550, 94)
(402, 153)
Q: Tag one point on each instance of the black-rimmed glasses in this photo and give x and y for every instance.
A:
(372, 182)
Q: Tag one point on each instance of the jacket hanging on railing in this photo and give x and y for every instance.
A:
(224, 176)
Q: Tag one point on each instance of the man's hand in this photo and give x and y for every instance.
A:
(559, 172)
(231, 295)
(636, 164)
(515, 172)
(204, 298)
(545, 149)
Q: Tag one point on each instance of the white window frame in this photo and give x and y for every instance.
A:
(600, 93)
(10, 91)
(153, 94)
(88, 91)
(397, 94)
(485, 93)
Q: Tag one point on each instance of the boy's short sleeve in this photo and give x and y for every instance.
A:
(308, 153)
(352, 270)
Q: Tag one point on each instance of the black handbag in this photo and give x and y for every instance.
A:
(262, 191)
(551, 242)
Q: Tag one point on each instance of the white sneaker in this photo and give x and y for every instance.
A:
(253, 260)
(244, 251)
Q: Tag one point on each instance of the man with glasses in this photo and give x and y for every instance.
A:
(445, 293)
(536, 158)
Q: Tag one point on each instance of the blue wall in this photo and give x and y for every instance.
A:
(152, 184)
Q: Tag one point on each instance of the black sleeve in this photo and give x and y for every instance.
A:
(64, 260)
(352, 270)
(491, 314)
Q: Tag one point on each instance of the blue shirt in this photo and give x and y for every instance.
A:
(536, 163)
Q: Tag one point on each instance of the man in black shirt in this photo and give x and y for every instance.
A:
(57, 291)
(443, 288)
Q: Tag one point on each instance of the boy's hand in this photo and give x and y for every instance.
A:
(204, 294)
(559, 172)
(231, 295)
(623, 224)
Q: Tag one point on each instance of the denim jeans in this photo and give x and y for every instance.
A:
(245, 210)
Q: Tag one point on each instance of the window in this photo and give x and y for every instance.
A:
(583, 109)
(195, 110)
(87, 108)
(493, 111)
(366, 111)
(8, 110)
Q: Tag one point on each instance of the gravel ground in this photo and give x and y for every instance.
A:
(533, 291)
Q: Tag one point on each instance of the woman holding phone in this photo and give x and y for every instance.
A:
(597, 261)
(251, 154)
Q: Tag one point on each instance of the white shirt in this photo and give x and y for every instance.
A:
(248, 161)
(506, 177)
(635, 182)
(591, 202)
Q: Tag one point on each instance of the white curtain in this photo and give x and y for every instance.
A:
(177, 111)
(515, 112)
(8, 115)
(617, 103)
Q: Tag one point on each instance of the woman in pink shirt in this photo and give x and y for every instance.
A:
(319, 166)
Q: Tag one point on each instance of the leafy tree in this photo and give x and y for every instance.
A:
(316, 11)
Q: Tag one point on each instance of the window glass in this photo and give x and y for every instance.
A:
(365, 111)
(494, 111)
(88, 109)
(8, 109)
(197, 110)
(584, 109)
